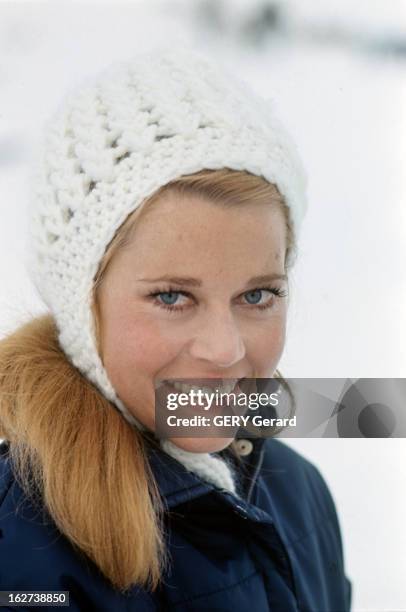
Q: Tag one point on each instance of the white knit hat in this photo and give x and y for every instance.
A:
(114, 141)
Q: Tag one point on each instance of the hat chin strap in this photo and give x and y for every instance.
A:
(209, 467)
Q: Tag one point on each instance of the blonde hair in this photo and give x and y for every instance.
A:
(70, 448)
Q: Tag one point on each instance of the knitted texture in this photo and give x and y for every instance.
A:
(114, 141)
(209, 467)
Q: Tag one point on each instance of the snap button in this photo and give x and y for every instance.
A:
(241, 512)
(244, 447)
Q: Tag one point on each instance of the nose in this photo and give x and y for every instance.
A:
(218, 341)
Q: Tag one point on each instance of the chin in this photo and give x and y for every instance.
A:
(202, 445)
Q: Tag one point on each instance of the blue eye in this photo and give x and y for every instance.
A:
(169, 299)
(257, 293)
(173, 295)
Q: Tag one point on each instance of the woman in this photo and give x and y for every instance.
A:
(168, 206)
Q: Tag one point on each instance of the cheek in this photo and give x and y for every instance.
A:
(267, 347)
(136, 349)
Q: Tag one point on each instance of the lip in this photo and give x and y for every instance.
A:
(211, 382)
(167, 387)
(220, 406)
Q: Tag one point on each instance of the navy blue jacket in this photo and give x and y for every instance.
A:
(276, 549)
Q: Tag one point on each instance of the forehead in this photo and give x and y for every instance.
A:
(185, 234)
(173, 213)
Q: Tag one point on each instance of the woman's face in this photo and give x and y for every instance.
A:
(212, 320)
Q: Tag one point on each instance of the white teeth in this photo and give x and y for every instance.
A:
(222, 387)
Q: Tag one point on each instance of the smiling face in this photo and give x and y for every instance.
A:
(212, 320)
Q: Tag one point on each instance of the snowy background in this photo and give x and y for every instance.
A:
(337, 73)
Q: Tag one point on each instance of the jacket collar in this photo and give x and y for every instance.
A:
(177, 485)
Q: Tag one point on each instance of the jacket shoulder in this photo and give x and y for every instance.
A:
(29, 543)
(299, 495)
(296, 477)
(35, 555)
(284, 459)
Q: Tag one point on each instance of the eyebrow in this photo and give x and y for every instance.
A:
(187, 281)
